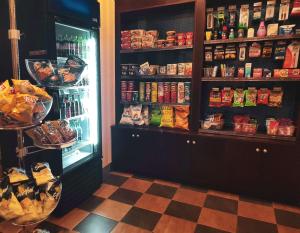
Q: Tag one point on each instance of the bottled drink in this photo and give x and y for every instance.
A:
(73, 126)
(84, 48)
(77, 106)
(59, 45)
(67, 46)
(73, 111)
(62, 108)
(79, 131)
(81, 110)
(77, 51)
(80, 46)
(68, 107)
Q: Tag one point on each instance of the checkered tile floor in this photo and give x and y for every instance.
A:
(128, 204)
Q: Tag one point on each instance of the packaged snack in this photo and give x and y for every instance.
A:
(214, 121)
(188, 69)
(296, 8)
(267, 73)
(189, 35)
(232, 15)
(50, 197)
(279, 53)
(272, 29)
(138, 32)
(230, 52)
(210, 18)
(136, 114)
(238, 98)
(154, 92)
(241, 72)
(126, 116)
(257, 7)
(257, 73)
(39, 135)
(208, 54)
(219, 53)
(181, 68)
(263, 96)
(10, 207)
(276, 97)
(270, 10)
(16, 175)
(182, 117)
(41, 173)
(171, 69)
(244, 16)
(248, 70)
(53, 134)
(242, 52)
(272, 126)
(180, 93)
(155, 117)
(286, 127)
(64, 128)
(292, 55)
(284, 10)
(167, 119)
(255, 50)
(26, 196)
(215, 98)
(187, 92)
(227, 95)
(146, 115)
(171, 33)
(43, 69)
(250, 33)
(281, 73)
(267, 50)
(251, 95)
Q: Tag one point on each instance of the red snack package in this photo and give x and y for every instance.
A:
(215, 98)
(263, 96)
(227, 95)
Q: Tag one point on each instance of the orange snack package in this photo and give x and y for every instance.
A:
(182, 117)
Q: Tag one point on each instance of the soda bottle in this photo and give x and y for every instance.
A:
(62, 108)
(77, 106)
(67, 46)
(76, 41)
(81, 110)
(79, 131)
(80, 46)
(73, 111)
(59, 45)
(68, 107)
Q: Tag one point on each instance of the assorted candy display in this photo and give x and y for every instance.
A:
(156, 92)
(52, 73)
(180, 69)
(164, 116)
(29, 198)
(22, 103)
(139, 38)
(227, 97)
(52, 133)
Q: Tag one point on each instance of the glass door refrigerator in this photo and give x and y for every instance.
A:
(56, 30)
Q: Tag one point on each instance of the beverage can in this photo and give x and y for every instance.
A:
(167, 93)
(160, 92)
(142, 92)
(180, 93)
(187, 92)
(148, 92)
(181, 68)
(154, 87)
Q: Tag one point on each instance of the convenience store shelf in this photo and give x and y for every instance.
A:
(221, 79)
(155, 49)
(154, 77)
(249, 136)
(154, 104)
(253, 39)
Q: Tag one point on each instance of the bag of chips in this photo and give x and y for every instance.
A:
(50, 196)
(7, 103)
(23, 111)
(238, 98)
(145, 115)
(16, 175)
(136, 114)
(167, 119)
(182, 117)
(53, 134)
(41, 173)
(10, 207)
(64, 128)
(263, 96)
(227, 95)
(215, 98)
(5, 88)
(251, 95)
(126, 118)
(155, 117)
(276, 96)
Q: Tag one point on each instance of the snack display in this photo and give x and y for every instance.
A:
(52, 73)
(167, 119)
(214, 122)
(244, 124)
(182, 117)
(23, 103)
(281, 127)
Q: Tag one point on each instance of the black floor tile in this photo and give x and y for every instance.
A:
(90, 204)
(95, 224)
(246, 225)
(206, 229)
(287, 218)
(142, 218)
(114, 179)
(255, 201)
(162, 190)
(51, 227)
(222, 204)
(182, 210)
(126, 196)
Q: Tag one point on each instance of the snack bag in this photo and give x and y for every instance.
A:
(215, 98)
(41, 93)
(126, 116)
(276, 96)
(26, 196)
(145, 115)
(23, 111)
(155, 117)
(54, 136)
(136, 116)
(41, 173)
(7, 103)
(43, 69)
(23, 87)
(5, 88)
(263, 96)
(167, 119)
(16, 175)
(227, 95)
(182, 117)
(64, 128)
(251, 95)
(37, 202)
(50, 196)
(10, 207)
(238, 98)
(38, 134)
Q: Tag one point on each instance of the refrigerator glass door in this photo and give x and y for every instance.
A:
(79, 104)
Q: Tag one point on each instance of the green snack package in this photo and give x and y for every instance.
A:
(251, 95)
(155, 117)
(238, 98)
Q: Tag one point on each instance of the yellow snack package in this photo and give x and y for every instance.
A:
(23, 87)
(23, 111)
(5, 88)
(182, 117)
(41, 93)
(167, 119)
(7, 103)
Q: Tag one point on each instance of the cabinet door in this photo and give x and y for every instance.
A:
(123, 148)
(281, 172)
(207, 162)
(243, 165)
(175, 156)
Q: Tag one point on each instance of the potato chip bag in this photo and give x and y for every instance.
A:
(16, 175)
(23, 111)
(182, 117)
(50, 197)
(136, 114)
(238, 98)
(145, 114)
(41, 173)
(126, 118)
(5, 88)
(23, 87)
(155, 117)
(41, 93)
(7, 103)
(167, 119)
(10, 207)
(251, 95)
